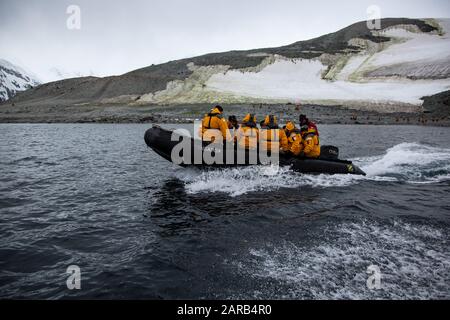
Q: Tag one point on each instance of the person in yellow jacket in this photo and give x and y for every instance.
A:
(271, 136)
(214, 125)
(247, 134)
(294, 137)
(311, 145)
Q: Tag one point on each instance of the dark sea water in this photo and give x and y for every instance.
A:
(139, 227)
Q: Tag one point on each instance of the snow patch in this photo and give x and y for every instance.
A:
(301, 80)
(410, 54)
(415, 47)
(14, 79)
(388, 77)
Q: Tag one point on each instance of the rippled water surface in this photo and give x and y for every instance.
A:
(139, 227)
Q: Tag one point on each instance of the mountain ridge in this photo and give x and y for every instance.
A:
(199, 79)
(14, 79)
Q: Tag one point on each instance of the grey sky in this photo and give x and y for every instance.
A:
(119, 36)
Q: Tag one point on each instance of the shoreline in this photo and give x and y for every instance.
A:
(189, 113)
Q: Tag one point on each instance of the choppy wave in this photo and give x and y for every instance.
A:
(413, 260)
(412, 161)
(407, 162)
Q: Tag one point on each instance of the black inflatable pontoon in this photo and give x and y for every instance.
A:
(165, 142)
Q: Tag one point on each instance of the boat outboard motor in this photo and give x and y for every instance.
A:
(329, 152)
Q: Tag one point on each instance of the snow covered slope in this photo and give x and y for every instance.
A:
(387, 70)
(399, 72)
(14, 79)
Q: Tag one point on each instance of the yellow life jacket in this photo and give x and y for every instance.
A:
(293, 136)
(273, 139)
(311, 145)
(247, 137)
(270, 138)
(295, 142)
(290, 126)
(213, 125)
(270, 122)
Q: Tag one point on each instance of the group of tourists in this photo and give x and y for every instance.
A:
(301, 141)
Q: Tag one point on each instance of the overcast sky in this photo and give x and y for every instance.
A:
(119, 36)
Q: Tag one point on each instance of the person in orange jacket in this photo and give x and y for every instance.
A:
(271, 136)
(311, 145)
(214, 125)
(247, 135)
(294, 137)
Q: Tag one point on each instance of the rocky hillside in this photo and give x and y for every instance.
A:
(388, 69)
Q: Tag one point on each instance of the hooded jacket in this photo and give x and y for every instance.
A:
(294, 137)
(304, 121)
(247, 135)
(271, 136)
(214, 125)
(296, 143)
(311, 146)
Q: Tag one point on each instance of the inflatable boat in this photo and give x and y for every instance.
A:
(183, 150)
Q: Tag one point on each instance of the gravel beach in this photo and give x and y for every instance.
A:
(89, 113)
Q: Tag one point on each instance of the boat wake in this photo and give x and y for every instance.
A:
(410, 162)
(413, 260)
(405, 162)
